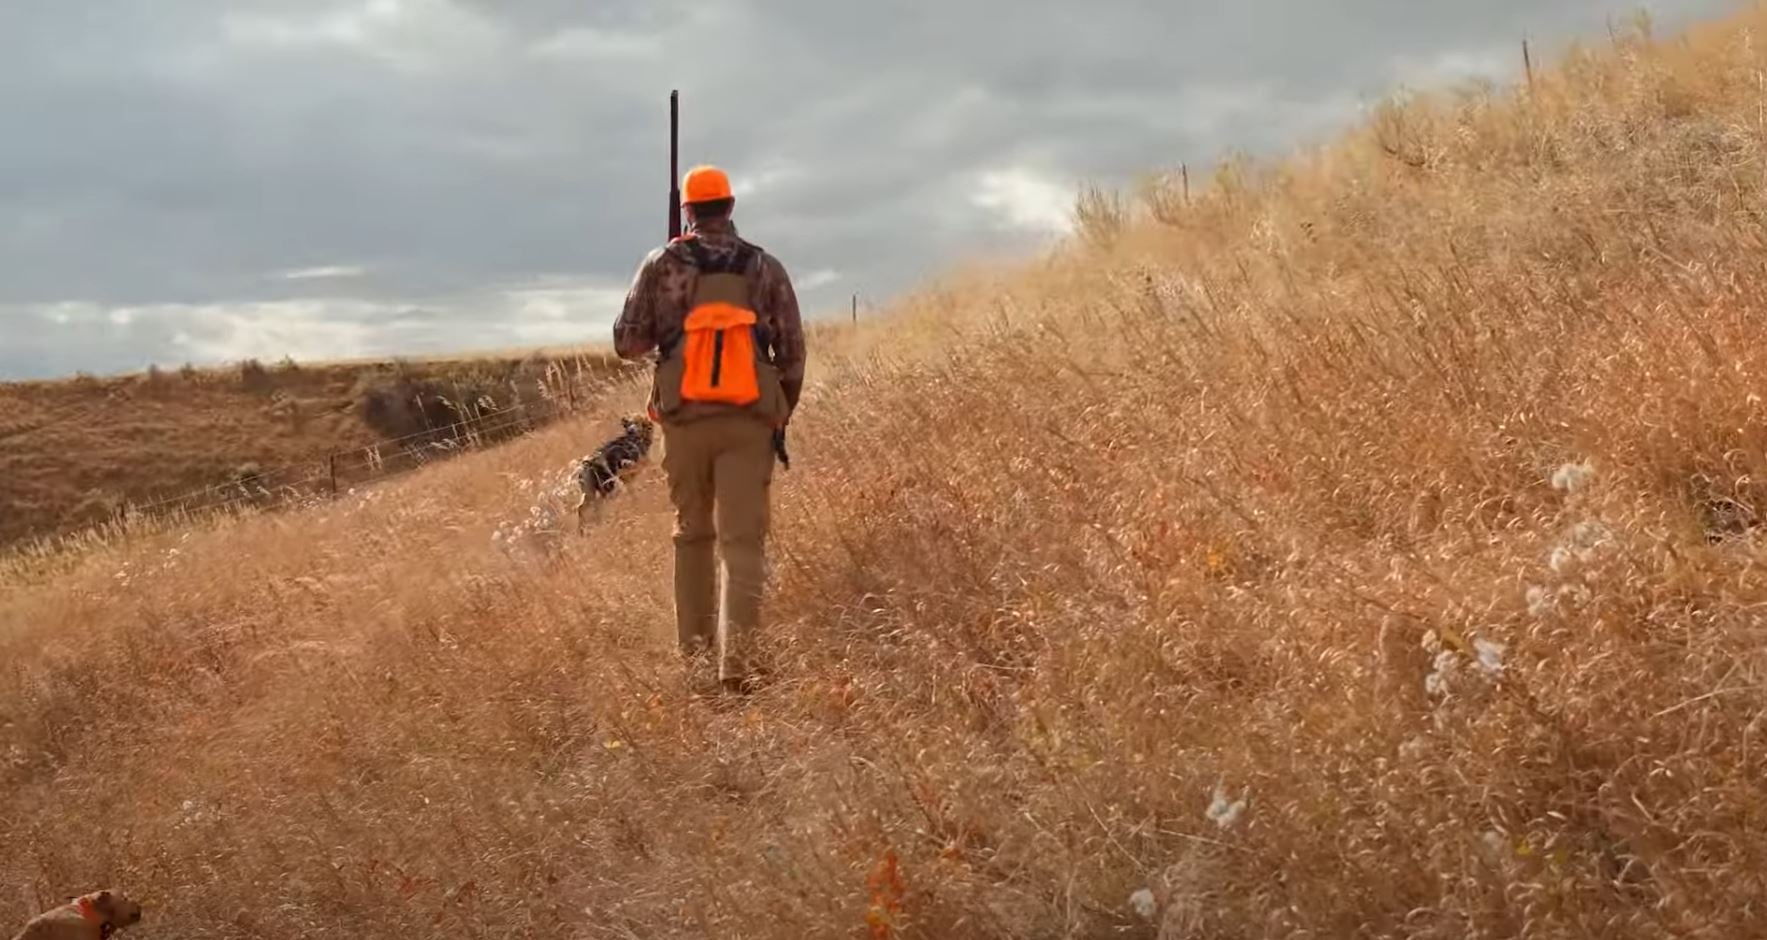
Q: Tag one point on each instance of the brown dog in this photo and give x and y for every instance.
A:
(613, 464)
(93, 916)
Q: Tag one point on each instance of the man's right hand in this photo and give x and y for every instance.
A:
(779, 448)
(793, 389)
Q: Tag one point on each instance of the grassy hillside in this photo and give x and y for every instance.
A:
(73, 452)
(1364, 546)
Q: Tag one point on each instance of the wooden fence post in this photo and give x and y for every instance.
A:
(1528, 64)
(331, 472)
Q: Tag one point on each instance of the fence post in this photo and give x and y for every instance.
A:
(1528, 64)
(331, 472)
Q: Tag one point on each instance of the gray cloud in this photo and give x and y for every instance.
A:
(467, 173)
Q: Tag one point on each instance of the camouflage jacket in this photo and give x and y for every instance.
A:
(657, 304)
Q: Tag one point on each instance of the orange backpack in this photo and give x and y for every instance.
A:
(718, 349)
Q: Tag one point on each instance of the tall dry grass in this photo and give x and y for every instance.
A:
(79, 453)
(1364, 547)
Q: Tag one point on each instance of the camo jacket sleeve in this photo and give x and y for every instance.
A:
(635, 330)
(777, 304)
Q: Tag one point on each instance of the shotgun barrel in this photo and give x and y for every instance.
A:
(674, 168)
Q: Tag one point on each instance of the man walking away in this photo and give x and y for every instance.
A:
(722, 318)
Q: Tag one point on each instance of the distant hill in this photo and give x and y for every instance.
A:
(75, 451)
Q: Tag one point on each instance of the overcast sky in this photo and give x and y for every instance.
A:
(203, 181)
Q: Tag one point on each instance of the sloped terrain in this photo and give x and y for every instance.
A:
(1365, 547)
(74, 452)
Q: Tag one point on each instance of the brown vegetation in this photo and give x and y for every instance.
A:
(75, 452)
(1363, 546)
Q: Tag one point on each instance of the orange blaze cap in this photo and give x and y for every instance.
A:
(705, 184)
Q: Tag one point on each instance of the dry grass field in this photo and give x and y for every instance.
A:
(74, 452)
(1362, 547)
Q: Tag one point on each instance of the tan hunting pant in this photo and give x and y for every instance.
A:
(720, 469)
